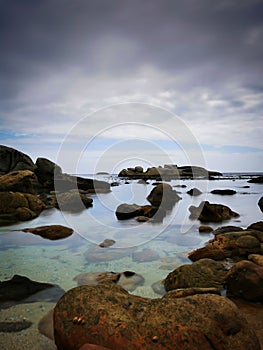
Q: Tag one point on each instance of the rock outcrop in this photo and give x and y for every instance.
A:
(15, 206)
(113, 318)
(207, 212)
(13, 160)
(167, 172)
(45, 171)
(19, 181)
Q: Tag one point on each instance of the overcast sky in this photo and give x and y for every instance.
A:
(191, 69)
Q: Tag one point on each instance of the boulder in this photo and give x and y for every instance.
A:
(258, 226)
(128, 280)
(194, 192)
(205, 229)
(230, 245)
(164, 196)
(245, 280)
(256, 258)
(207, 212)
(113, 318)
(71, 201)
(256, 180)
(127, 211)
(19, 181)
(45, 170)
(13, 160)
(15, 206)
(52, 232)
(260, 204)
(224, 192)
(205, 273)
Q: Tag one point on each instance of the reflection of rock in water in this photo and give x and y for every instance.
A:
(20, 290)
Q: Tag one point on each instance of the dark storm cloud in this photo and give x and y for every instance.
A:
(37, 36)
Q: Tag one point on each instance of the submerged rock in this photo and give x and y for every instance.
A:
(208, 212)
(145, 255)
(113, 318)
(128, 280)
(15, 326)
(52, 232)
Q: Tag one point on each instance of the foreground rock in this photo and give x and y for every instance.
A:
(208, 212)
(13, 160)
(245, 280)
(52, 232)
(15, 206)
(128, 280)
(113, 318)
(205, 273)
(19, 181)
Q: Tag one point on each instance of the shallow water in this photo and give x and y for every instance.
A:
(58, 262)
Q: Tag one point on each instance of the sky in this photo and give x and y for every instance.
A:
(98, 85)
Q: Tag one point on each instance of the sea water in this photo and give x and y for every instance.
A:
(58, 262)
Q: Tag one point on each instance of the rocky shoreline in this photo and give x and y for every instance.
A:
(214, 303)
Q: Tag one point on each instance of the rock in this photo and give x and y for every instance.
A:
(72, 201)
(245, 280)
(207, 212)
(107, 243)
(260, 204)
(70, 182)
(142, 218)
(19, 181)
(256, 180)
(16, 326)
(45, 171)
(256, 258)
(258, 226)
(127, 211)
(92, 347)
(96, 254)
(228, 228)
(194, 192)
(145, 255)
(13, 160)
(113, 318)
(15, 206)
(158, 287)
(224, 192)
(205, 229)
(138, 169)
(114, 184)
(20, 287)
(163, 195)
(185, 292)
(45, 325)
(52, 232)
(205, 273)
(128, 280)
(230, 245)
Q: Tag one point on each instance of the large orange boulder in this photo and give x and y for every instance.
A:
(107, 315)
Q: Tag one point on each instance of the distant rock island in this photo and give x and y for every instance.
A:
(168, 172)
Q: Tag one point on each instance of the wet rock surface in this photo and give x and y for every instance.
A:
(113, 318)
